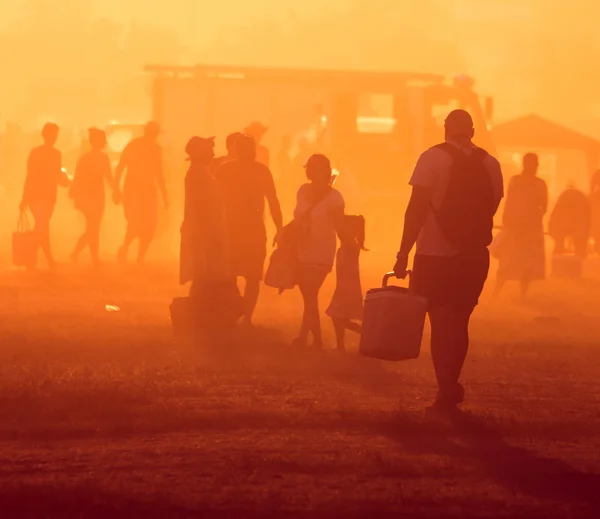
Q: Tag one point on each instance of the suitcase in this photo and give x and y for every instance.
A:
(393, 323)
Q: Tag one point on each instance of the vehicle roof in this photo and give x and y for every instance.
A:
(383, 80)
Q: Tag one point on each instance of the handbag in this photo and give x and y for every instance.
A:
(282, 272)
(24, 243)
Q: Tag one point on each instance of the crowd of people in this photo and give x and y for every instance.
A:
(456, 191)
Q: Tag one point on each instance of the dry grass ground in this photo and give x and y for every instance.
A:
(105, 415)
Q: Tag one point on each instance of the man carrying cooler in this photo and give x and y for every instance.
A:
(457, 188)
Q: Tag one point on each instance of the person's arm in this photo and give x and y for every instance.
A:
(544, 199)
(423, 178)
(123, 162)
(414, 219)
(273, 201)
(160, 178)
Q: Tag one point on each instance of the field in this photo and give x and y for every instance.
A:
(104, 414)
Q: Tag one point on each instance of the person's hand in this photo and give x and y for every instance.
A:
(401, 266)
(166, 204)
(116, 196)
(23, 206)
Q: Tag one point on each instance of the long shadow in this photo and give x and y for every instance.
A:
(519, 470)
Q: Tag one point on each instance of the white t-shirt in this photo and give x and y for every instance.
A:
(318, 246)
(433, 171)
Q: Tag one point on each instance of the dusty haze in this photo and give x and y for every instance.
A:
(80, 60)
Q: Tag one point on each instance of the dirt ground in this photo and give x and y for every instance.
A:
(104, 414)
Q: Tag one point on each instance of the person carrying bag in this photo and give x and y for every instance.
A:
(24, 243)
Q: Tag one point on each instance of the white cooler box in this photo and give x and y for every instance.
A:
(393, 323)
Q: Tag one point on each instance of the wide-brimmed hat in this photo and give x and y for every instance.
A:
(199, 147)
(256, 128)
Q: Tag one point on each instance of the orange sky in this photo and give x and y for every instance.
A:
(531, 55)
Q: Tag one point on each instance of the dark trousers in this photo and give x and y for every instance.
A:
(452, 286)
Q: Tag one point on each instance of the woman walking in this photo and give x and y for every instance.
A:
(88, 192)
(320, 211)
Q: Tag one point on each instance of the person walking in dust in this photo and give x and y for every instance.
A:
(246, 184)
(142, 158)
(44, 176)
(523, 257)
(570, 222)
(92, 172)
(456, 190)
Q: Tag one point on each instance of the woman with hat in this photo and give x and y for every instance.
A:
(88, 192)
(204, 261)
(320, 208)
(203, 232)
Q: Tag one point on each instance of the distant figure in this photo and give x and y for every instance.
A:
(320, 210)
(142, 158)
(204, 249)
(570, 222)
(92, 172)
(346, 306)
(204, 252)
(231, 145)
(457, 189)
(44, 175)
(257, 131)
(595, 207)
(246, 184)
(523, 256)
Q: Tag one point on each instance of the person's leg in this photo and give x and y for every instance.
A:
(251, 293)
(42, 229)
(93, 232)
(340, 325)
(449, 346)
(143, 249)
(354, 327)
(311, 280)
(81, 243)
(124, 250)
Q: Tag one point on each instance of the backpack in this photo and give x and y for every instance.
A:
(466, 214)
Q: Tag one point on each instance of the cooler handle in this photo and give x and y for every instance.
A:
(391, 275)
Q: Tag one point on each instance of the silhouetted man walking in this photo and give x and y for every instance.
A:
(44, 175)
(142, 158)
(245, 184)
(457, 188)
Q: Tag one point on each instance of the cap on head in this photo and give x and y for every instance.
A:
(200, 148)
(459, 123)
